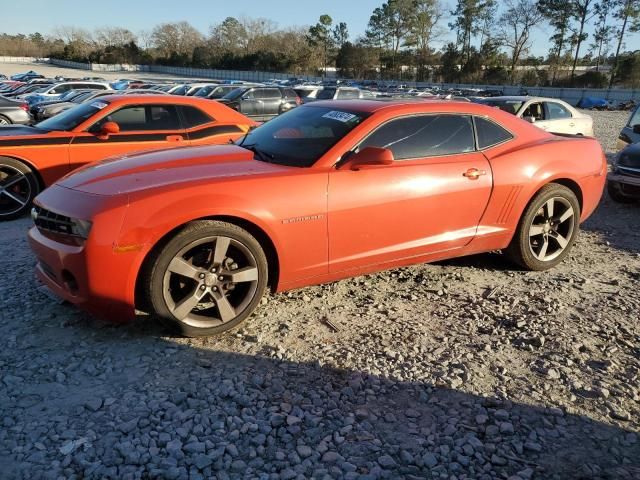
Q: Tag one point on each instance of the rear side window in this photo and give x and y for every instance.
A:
(347, 94)
(424, 136)
(490, 133)
(290, 93)
(194, 116)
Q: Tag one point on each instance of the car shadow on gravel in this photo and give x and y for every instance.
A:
(138, 406)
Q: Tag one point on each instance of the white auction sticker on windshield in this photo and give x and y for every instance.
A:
(339, 116)
(99, 105)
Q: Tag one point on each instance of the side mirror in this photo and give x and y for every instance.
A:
(109, 128)
(368, 157)
(636, 128)
(529, 119)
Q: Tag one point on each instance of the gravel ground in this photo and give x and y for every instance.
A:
(456, 370)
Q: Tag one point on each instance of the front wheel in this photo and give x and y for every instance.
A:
(207, 279)
(18, 187)
(547, 230)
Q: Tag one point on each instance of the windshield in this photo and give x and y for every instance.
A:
(73, 117)
(509, 106)
(235, 94)
(301, 136)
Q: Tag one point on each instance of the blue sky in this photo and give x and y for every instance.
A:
(44, 15)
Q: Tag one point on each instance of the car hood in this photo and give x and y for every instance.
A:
(20, 131)
(149, 170)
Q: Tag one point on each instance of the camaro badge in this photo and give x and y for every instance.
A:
(307, 218)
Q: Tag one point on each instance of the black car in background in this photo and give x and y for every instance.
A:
(623, 182)
(261, 103)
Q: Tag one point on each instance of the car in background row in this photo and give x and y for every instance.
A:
(623, 182)
(261, 103)
(107, 126)
(24, 77)
(631, 132)
(42, 111)
(13, 112)
(332, 93)
(55, 90)
(550, 114)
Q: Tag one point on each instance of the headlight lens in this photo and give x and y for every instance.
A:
(81, 228)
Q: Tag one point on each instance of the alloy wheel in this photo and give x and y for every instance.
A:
(210, 281)
(552, 228)
(15, 190)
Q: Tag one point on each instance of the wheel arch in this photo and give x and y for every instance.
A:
(270, 251)
(35, 171)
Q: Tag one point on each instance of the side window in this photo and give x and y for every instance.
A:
(347, 94)
(194, 116)
(60, 89)
(424, 136)
(268, 93)
(557, 111)
(142, 118)
(326, 94)
(490, 133)
(251, 94)
(534, 110)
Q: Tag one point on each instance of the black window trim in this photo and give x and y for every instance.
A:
(489, 119)
(475, 142)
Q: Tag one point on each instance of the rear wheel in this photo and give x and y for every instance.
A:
(617, 195)
(4, 121)
(207, 279)
(547, 229)
(18, 187)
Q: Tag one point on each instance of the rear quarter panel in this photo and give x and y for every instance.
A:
(519, 173)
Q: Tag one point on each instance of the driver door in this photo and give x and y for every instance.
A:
(426, 201)
(142, 127)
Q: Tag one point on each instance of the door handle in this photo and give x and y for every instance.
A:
(174, 138)
(474, 173)
(572, 124)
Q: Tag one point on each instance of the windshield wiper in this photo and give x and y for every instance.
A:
(262, 156)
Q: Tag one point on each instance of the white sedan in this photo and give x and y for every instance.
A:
(550, 114)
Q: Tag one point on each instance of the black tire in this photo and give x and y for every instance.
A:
(527, 246)
(5, 120)
(197, 246)
(617, 195)
(16, 198)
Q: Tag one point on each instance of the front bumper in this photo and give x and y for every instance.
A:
(93, 274)
(627, 184)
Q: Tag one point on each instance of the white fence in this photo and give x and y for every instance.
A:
(23, 60)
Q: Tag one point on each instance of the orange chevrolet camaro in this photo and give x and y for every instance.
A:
(32, 158)
(326, 191)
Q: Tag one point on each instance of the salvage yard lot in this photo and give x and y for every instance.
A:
(467, 368)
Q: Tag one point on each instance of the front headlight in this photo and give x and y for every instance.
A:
(81, 228)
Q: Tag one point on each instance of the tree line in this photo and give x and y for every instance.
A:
(403, 41)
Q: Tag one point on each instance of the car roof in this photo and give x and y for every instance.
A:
(154, 98)
(524, 98)
(413, 103)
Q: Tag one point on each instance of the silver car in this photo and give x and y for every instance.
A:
(631, 132)
(12, 111)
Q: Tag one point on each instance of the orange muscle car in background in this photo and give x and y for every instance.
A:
(32, 158)
(326, 191)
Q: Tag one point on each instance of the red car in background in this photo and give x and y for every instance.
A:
(326, 191)
(32, 158)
